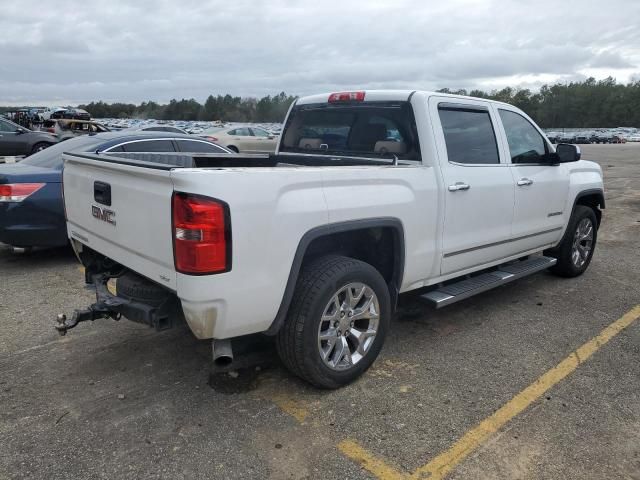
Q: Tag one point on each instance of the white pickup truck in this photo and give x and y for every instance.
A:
(369, 194)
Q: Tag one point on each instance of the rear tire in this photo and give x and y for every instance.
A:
(575, 251)
(337, 321)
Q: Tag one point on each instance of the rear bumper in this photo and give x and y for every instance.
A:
(37, 221)
(33, 235)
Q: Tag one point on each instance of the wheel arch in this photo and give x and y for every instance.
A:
(334, 238)
(593, 198)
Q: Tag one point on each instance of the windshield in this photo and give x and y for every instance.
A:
(368, 129)
(52, 157)
(12, 125)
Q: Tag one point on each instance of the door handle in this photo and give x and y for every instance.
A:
(458, 186)
(524, 182)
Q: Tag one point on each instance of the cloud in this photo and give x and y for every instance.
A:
(71, 51)
(608, 59)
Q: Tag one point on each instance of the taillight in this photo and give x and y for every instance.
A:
(201, 235)
(212, 139)
(17, 192)
(51, 130)
(346, 97)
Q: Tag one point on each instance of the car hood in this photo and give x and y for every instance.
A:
(22, 173)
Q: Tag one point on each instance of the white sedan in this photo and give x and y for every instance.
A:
(242, 138)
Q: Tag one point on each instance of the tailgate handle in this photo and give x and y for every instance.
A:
(102, 193)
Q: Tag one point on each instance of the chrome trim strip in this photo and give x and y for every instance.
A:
(472, 165)
(502, 242)
(347, 157)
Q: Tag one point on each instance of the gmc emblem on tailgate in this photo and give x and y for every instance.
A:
(103, 214)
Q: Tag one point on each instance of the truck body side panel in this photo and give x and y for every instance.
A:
(271, 209)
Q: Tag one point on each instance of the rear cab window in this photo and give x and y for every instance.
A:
(359, 129)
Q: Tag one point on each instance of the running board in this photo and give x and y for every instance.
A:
(469, 287)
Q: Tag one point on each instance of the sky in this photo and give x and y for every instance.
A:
(66, 52)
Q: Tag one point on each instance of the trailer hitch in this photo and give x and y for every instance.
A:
(102, 308)
(159, 315)
(92, 313)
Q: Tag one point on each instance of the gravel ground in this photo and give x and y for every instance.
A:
(117, 400)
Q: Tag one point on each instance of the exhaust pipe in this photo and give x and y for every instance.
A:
(222, 353)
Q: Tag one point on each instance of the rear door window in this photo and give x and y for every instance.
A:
(241, 132)
(369, 129)
(149, 146)
(194, 146)
(259, 132)
(469, 135)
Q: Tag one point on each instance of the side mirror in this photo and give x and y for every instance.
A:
(271, 137)
(567, 152)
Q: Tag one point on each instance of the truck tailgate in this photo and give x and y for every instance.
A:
(122, 211)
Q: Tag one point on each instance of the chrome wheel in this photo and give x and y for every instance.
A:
(348, 326)
(582, 242)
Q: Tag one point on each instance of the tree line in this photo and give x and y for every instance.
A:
(589, 103)
(223, 108)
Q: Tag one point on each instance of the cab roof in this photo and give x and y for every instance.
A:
(386, 96)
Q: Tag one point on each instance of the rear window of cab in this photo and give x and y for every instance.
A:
(362, 129)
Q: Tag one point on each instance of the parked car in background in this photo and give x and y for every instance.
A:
(600, 137)
(581, 138)
(553, 136)
(566, 138)
(633, 138)
(31, 209)
(16, 140)
(159, 128)
(48, 111)
(71, 113)
(243, 139)
(66, 129)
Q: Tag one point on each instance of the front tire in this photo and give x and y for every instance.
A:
(38, 147)
(575, 251)
(337, 322)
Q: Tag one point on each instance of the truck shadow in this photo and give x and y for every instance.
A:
(41, 257)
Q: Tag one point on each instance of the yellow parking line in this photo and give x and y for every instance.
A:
(444, 463)
(290, 406)
(368, 461)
